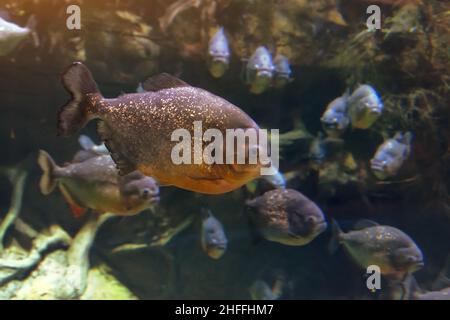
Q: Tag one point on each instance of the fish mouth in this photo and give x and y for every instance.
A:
(220, 59)
(378, 165)
(419, 265)
(283, 75)
(321, 226)
(330, 125)
(153, 198)
(375, 110)
(264, 73)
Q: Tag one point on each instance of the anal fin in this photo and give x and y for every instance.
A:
(77, 210)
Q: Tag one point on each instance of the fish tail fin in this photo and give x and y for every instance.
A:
(336, 233)
(48, 166)
(78, 80)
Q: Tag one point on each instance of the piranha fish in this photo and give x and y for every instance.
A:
(323, 148)
(11, 35)
(288, 217)
(261, 290)
(335, 119)
(138, 129)
(283, 71)
(391, 249)
(94, 184)
(213, 239)
(259, 70)
(218, 54)
(364, 107)
(391, 155)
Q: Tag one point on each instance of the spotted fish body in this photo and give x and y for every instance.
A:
(137, 129)
(391, 155)
(288, 217)
(387, 247)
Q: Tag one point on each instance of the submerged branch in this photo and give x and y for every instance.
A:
(41, 244)
(17, 178)
(78, 253)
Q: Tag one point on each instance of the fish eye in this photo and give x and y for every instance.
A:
(145, 193)
(310, 220)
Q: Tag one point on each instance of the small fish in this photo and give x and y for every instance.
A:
(288, 217)
(139, 88)
(137, 129)
(260, 289)
(95, 184)
(364, 107)
(218, 54)
(335, 119)
(87, 144)
(391, 155)
(10, 36)
(277, 179)
(283, 71)
(323, 148)
(213, 239)
(259, 70)
(391, 249)
(174, 10)
(89, 149)
(317, 151)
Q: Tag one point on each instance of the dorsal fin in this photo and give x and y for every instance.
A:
(365, 223)
(163, 81)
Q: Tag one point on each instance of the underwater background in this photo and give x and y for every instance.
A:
(157, 254)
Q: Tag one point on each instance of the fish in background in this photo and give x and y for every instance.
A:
(286, 216)
(317, 150)
(218, 54)
(89, 149)
(95, 184)
(364, 107)
(137, 129)
(174, 10)
(391, 155)
(283, 71)
(261, 290)
(335, 120)
(276, 180)
(322, 149)
(387, 247)
(214, 241)
(259, 71)
(11, 35)
(139, 88)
